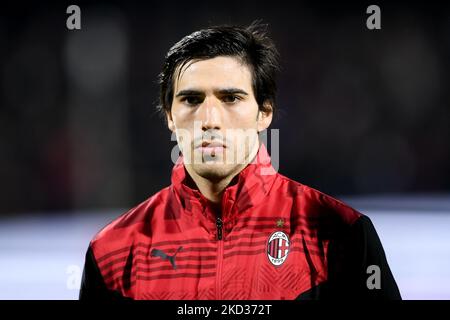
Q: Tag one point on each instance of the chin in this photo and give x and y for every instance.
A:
(214, 171)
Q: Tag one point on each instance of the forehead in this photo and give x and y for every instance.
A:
(216, 72)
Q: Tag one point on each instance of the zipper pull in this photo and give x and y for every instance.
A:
(219, 225)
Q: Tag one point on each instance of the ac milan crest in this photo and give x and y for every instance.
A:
(278, 247)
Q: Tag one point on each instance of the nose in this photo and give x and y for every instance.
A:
(210, 114)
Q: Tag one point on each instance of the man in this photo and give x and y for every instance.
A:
(229, 226)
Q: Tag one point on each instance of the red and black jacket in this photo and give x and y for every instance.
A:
(273, 238)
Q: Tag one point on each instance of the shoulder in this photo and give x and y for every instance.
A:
(131, 227)
(316, 205)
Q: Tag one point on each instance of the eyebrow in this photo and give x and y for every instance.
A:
(192, 92)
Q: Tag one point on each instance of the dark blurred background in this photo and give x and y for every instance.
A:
(360, 111)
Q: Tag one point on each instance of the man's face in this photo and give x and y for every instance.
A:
(216, 117)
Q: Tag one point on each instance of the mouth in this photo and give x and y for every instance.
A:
(212, 147)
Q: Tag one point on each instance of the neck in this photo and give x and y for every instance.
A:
(211, 190)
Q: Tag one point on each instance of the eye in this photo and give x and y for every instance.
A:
(231, 98)
(192, 100)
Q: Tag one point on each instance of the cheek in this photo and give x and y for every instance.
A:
(182, 125)
(245, 118)
(244, 113)
(181, 117)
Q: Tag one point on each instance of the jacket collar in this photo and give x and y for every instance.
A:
(252, 185)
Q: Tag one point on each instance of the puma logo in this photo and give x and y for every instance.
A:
(165, 256)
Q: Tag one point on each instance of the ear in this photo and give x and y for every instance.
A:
(265, 118)
(170, 122)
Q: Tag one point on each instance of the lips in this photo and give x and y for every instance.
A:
(213, 144)
(212, 147)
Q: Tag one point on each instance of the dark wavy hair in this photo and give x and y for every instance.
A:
(250, 44)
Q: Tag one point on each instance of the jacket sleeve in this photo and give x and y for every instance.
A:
(93, 286)
(358, 267)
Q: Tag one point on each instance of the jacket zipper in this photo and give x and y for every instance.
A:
(219, 226)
